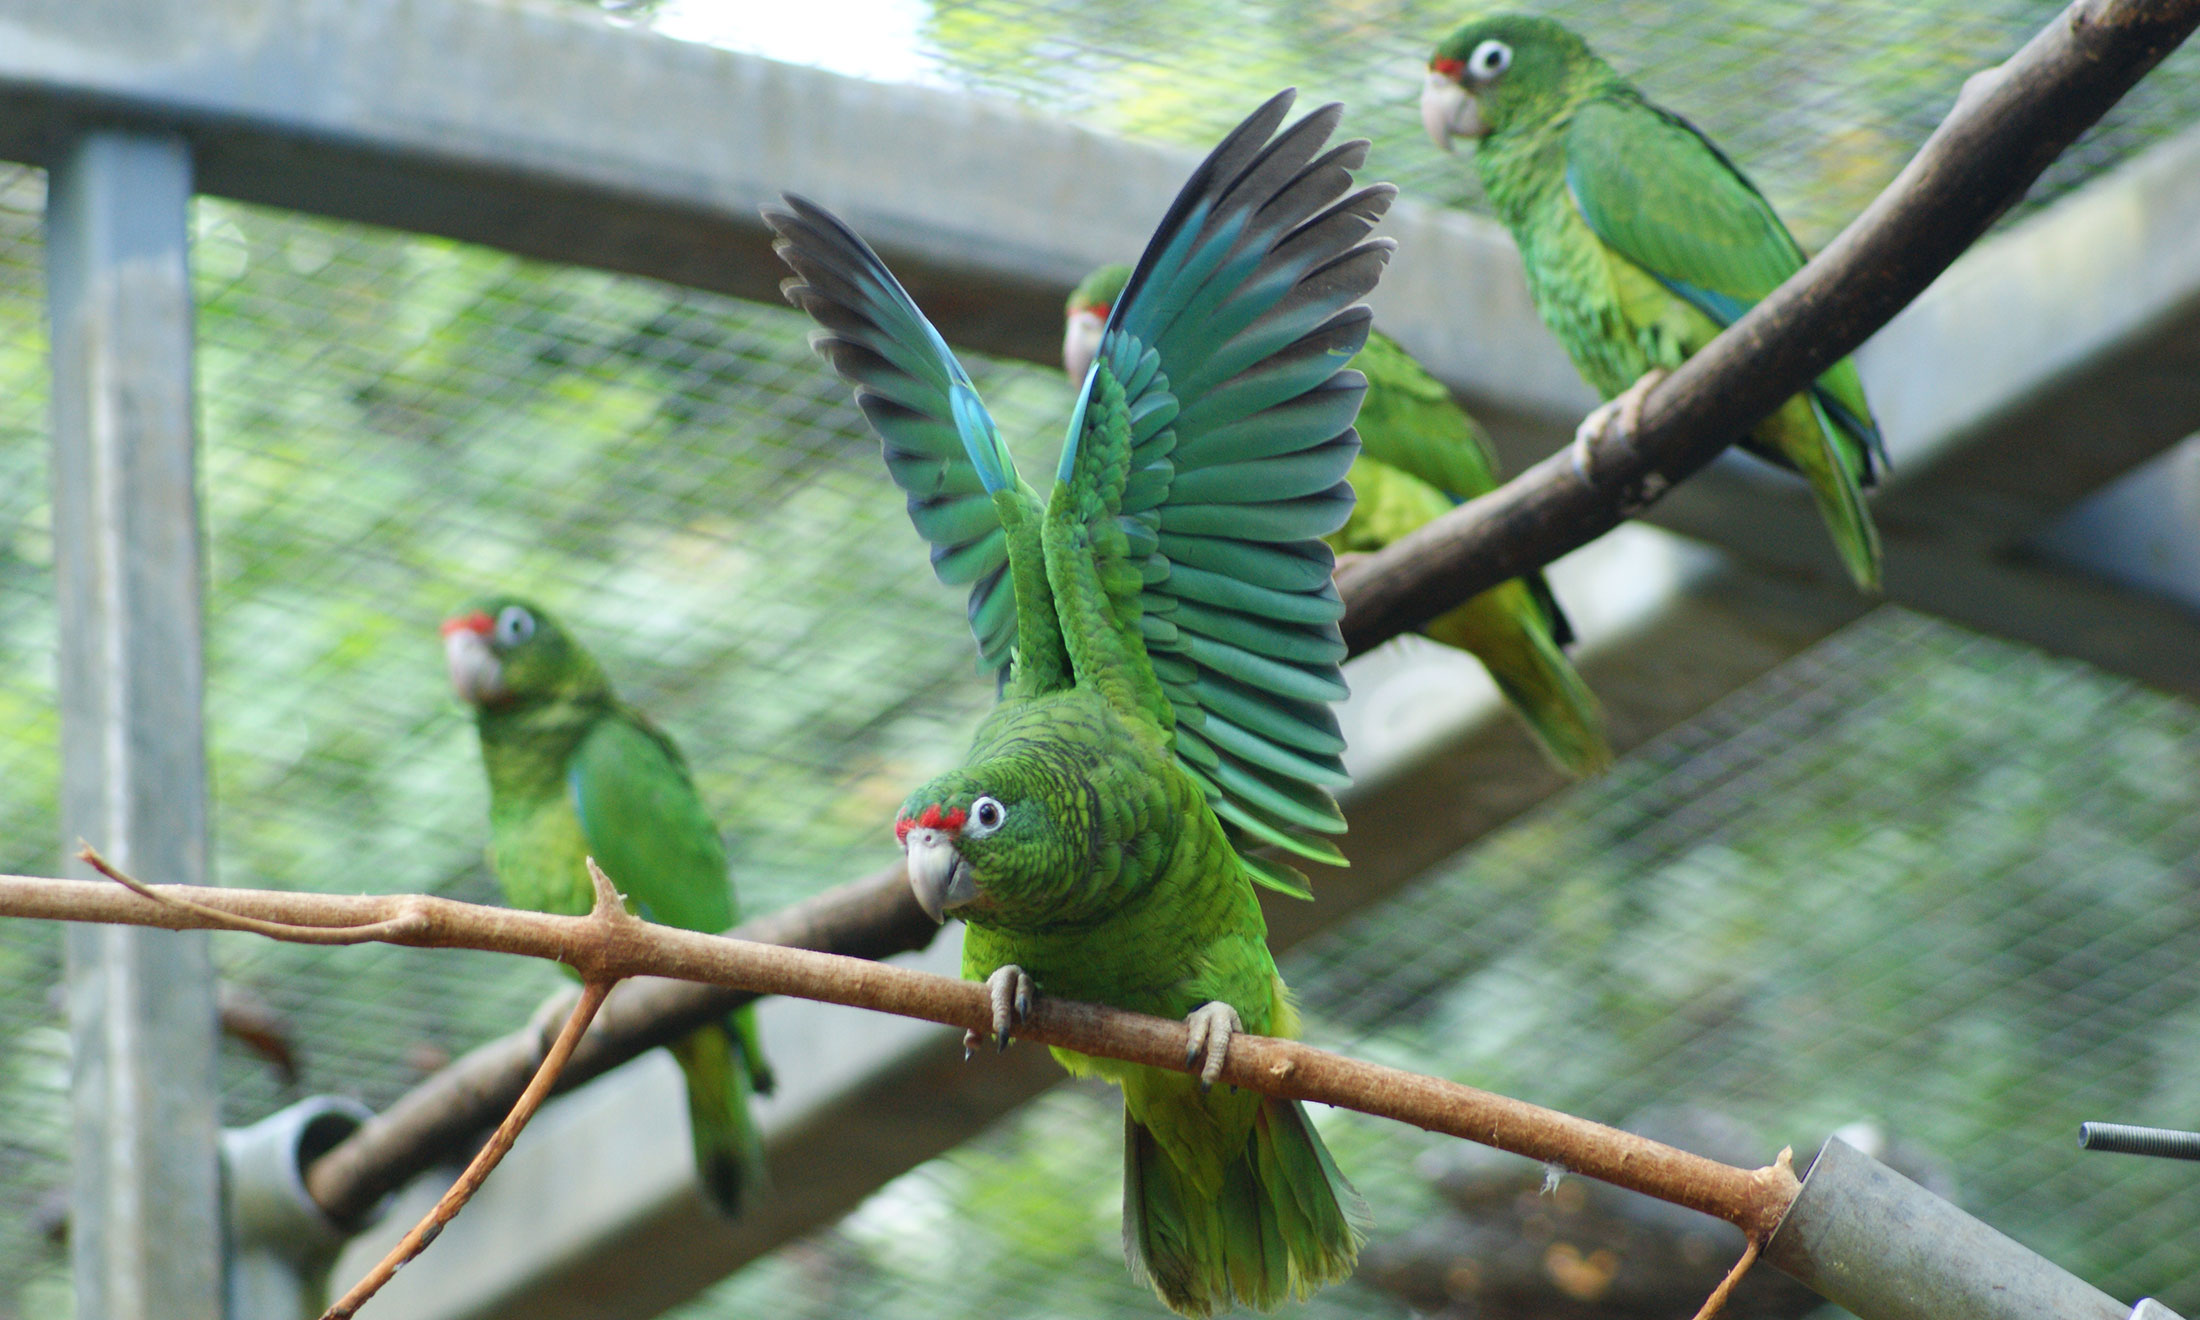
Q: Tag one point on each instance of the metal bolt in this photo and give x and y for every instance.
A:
(2126, 1139)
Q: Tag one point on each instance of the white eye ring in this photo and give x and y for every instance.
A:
(986, 815)
(514, 625)
(1489, 59)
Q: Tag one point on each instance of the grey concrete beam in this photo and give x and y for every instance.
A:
(2142, 530)
(555, 133)
(145, 1231)
(595, 1213)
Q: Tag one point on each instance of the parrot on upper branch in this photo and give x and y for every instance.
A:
(1642, 241)
(574, 773)
(1420, 456)
(1169, 629)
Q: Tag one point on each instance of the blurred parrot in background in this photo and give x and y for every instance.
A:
(1169, 629)
(576, 773)
(1642, 241)
(1420, 456)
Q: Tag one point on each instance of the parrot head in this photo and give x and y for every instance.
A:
(987, 841)
(1497, 71)
(504, 651)
(1086, 316)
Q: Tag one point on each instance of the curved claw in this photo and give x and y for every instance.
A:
(1012, 990)
(1617, 419)
(1211, 1026)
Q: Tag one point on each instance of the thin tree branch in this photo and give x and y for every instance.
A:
(869, 918)
(477, 1171)
(602, 951)
(2010, 122)
(1716, 1302)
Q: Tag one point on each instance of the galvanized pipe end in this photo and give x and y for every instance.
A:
(280, 1243)
(1864, 1236)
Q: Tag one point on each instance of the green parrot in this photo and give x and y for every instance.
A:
(1420, 456)
(1642, 241)
(576, 773)
(1168, 628)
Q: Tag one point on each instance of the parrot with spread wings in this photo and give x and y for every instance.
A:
(1166, 631)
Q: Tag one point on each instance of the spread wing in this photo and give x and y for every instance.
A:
(941, 445)
(1208, 457)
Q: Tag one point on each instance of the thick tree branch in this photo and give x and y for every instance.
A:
(869, 918)
(601, 951)
(2010, 122)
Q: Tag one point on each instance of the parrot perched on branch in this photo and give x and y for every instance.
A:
(1420, 456)
(576, 773)
(1169, 630)
(1642, 241)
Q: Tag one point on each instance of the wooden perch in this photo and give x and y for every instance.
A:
(1751, 1199)
(869, 918)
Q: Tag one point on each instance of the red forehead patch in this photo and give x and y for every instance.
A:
(476, 622)
(1449, 68)
(931, 818)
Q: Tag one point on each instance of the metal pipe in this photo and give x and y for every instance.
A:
(1885, 1248)
(281, 1243)
(144, 1232)
(2130, 1139)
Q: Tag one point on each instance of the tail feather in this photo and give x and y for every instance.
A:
(729, 1157)
(1835, 464)
(1502, 628)
(1284, 1223)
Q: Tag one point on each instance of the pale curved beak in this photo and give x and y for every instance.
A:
(1449, 111)
(1081, 343)
(476, 676)
(938, 875)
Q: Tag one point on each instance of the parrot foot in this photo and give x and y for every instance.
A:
(1616, 420)
(1012, 990)
(1211, 1024)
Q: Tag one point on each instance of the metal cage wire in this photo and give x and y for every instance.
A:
(1915, 854)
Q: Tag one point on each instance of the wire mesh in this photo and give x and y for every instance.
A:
(394, 424)
(1916, 878)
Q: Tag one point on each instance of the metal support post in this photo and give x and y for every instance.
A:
(145, 1228)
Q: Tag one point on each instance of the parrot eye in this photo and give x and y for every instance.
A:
(514, 625)
(1489, 59)
(986, 815)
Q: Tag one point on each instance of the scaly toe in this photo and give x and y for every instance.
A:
(1012, 992)
(1591, 430)
(1211, 1026)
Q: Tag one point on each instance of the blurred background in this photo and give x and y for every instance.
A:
(1931, 882)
